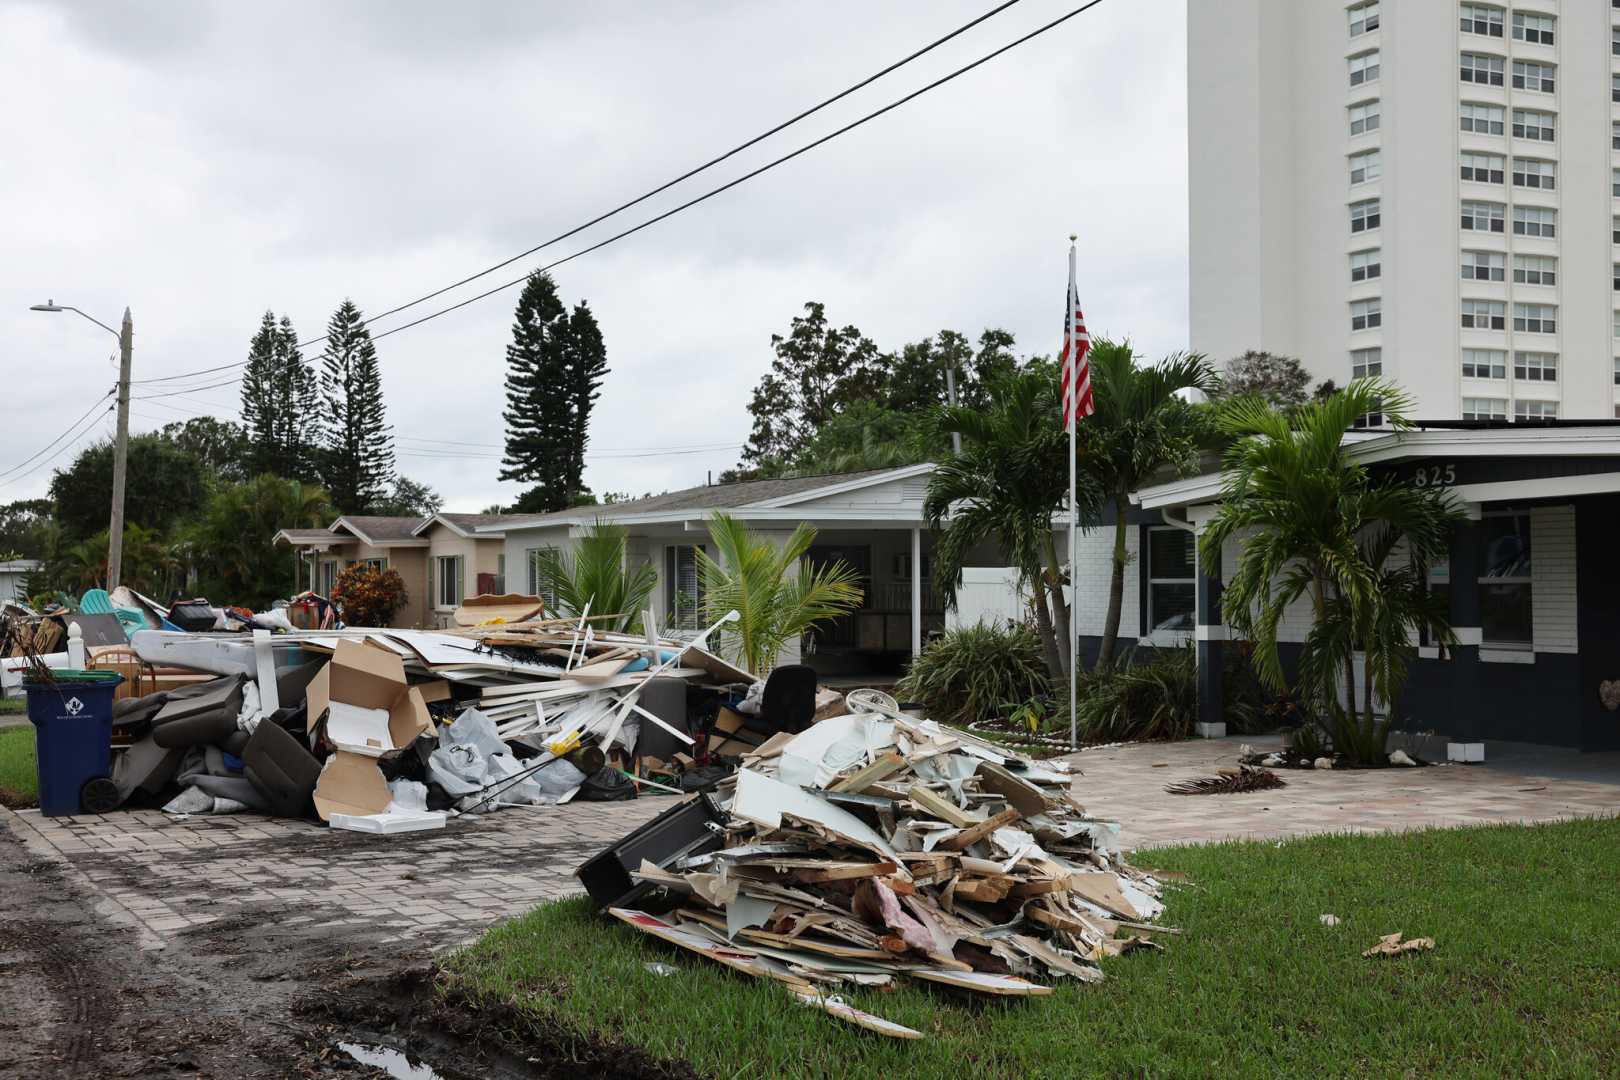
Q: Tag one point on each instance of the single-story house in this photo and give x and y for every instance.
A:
(13, 574)
(1532, 584)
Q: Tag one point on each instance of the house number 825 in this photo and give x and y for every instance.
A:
(1435, 476)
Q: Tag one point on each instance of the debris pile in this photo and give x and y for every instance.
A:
(875, 846)
(1237, 781)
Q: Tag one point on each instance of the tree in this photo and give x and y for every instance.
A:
(222, 446)
(27, 527)
(776, 604)
(817, 370)
(1315, 523)
(231, 541)
(410, 499)
(599, 577)
(1010, 478)
(554, 367)
(1142, 425)
(358, 454)
(166, 484)
(280, 403)
(1278, 380)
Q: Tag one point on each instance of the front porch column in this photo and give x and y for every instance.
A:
(916, 592)
(1211, 635)
(1467, 559)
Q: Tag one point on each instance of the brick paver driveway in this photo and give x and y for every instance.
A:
(171, 878)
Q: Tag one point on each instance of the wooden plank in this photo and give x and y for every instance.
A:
(939, 807)
(973, 834)
(861, 779)
(1028, 798)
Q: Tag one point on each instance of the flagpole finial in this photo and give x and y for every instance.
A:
(1073, 237)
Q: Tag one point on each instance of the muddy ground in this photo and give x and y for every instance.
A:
(242, 998)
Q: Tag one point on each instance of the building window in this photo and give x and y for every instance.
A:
(1617, 371)
(1172, 584)
(541, 583)
(1617, 277)
(1484, 408)
(1536, 29)
(1614, 182)
(378, 565)
(1366, 363)
(1614, 135)
(1483, 266)
(1534, 173)
(1483, 168)
(1482, 216)
(1364, 215)
(1535, 318)
(500, 572)
(1363, 19)
(1614, 89)
(1504, 586)
(1482, 69)
(447, 585)
(1365, 166)
(1535, 366)
(1364, 68)
(1535, 270)
(1535, 221)
(1535, 410)
(1365, 266)
(1484, 364)
(1479, 19)
(1482, 119)
(1614, 40)
(1534, 124)
(1484, 315)
(1366, 314)
(1364, 117)
(683, 586)
(1534, 75)
(329, 570)
(1617, 324)
(1614, 226)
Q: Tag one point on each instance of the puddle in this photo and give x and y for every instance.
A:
(396, 1063)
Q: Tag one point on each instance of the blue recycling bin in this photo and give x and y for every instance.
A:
(72, 719)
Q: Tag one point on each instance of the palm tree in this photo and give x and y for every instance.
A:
(756, 578)
(1314, 523)
(1142, 425)
(1003, 488)
(600, 578)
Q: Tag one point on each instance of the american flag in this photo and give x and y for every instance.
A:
(1076, 385)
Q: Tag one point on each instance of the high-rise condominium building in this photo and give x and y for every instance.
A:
(1423, 189)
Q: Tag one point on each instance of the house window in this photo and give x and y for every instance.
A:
(1535, 318)
(329, 572)
(1535, 366)
(1364, 215)
(1365, 166)
(1536, 29)
(1482, 69)
(1483, 168)
(1369, 419)
(1534, 124)
(1364, 117)
(1365, 265)
(1366, 314)
(447, 580)
(1535, 221)
(1484, 364)
(1534, 173)
(1363, 18)
(1364, 68)
(683, 587)
(1366, 363)
(1479, 19)
(541, 583)
(1534, 75)
(1482, 119)
(1172, 585)
(1504, 586)
(500, 573)
(1484, 315)
(1484, 408)
(378, 565)
(1535, 410)
(1484, 266)
(1481, 216)
(1535, 270)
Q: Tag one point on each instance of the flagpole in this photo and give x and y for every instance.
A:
(1074, 515)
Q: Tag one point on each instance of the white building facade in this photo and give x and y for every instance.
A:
(1423, 189)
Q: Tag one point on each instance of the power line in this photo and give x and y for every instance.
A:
(644, 197)
(610, 449)
(88, 430)
(187, 390)
(62, 435)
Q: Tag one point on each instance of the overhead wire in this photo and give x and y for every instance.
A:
(61, 435)
(64, 448)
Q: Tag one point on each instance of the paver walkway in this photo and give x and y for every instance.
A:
(174, 877)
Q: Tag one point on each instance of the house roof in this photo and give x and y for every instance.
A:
(303, 537)
(380, 531)
(774, 493)
(469, 524)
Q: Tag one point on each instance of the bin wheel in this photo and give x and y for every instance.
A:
(99, 796)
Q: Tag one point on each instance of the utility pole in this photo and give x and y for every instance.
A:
(115, 528)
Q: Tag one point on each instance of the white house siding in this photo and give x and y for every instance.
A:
(1552, 582)
(1094, 562)
(896, 493)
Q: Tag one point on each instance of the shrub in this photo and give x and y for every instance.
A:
(367, 596)
(976, 672)
(1147, 699)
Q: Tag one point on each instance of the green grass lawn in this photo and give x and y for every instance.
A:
(13, 706)
(18, 785)
(1525, 978)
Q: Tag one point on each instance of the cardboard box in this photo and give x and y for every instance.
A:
(351, 784)
(368, 678)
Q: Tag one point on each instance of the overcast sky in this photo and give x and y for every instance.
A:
(201, 162)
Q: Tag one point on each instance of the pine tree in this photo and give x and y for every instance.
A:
(538, 398)
(587, 364)
(357, 443)
(299, 438)
(279, 403)
(259, 397)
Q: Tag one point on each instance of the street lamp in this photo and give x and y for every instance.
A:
(126, 345)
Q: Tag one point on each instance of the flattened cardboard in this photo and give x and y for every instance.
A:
(351, 784)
